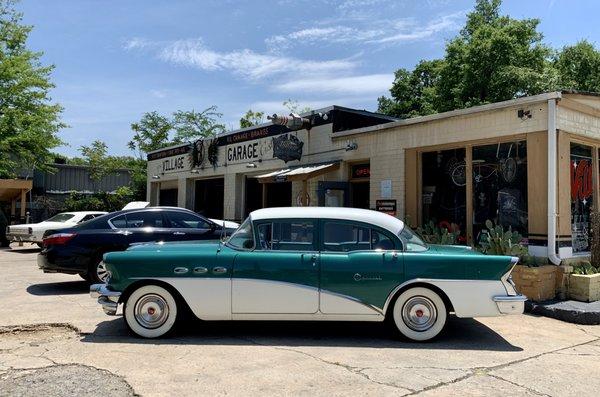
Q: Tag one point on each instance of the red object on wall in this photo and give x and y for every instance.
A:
(581, 180)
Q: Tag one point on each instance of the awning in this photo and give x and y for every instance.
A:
(11, 189)
(298, 173)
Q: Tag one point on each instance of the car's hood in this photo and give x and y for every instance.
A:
(452, 250)
(228, 224)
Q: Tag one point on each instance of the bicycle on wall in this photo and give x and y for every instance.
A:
(506, 167)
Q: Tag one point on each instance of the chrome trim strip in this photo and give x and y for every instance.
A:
(511, 298)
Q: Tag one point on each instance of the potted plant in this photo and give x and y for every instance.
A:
(584, 282)
(438, 234)
(533, 277)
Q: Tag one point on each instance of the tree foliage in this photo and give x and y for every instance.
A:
(29, 121)
(252, 118)
(152, 132)
(493, 58)
(191, 125)
(96, 158)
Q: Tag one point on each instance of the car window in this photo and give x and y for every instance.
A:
(60, 217)
(137, 220)
(381, 241)
(144, 219)
(287, 236)
(345, 237)
(186, 220)
(412, 242)
(120, 222)
(242, 237)
(87, 218)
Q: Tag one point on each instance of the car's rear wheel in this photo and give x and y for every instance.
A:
(150, 311)
(419, 314)
(97, 272)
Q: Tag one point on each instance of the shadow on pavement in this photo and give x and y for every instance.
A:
(61, 288)
(23, 250)
(460, 334)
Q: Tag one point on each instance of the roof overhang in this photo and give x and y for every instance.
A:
(11, 189)
(299, 173)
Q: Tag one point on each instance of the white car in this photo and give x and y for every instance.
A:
(34, 232)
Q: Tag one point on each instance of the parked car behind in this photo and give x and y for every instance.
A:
(34, 232)
(79, 249)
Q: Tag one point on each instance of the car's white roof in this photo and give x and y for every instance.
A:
(84, 212)
(376, 218)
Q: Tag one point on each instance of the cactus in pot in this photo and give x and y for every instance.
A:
(498, 241)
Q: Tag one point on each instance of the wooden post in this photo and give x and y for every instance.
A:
(304, 200)
(13, 208)
(469, 192)
(264, 195)
(23, 203)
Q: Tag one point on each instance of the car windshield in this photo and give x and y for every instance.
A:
(412, 242)
(242, 237)
(60, 217)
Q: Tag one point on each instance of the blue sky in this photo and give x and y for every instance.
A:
(116, 60)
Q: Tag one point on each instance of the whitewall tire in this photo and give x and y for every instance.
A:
(419, 314)
(150, 311)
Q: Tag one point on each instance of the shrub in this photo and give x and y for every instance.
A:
(498, 241)
(434, 234)
(584, 267)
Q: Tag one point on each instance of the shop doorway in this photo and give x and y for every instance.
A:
(168, 197)
(360, 194)
(254, 195)
(360, 186)
(278, 194)
(209, 197)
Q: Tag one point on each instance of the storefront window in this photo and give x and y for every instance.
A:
(581, 196)
(500, 186)
(443, 200)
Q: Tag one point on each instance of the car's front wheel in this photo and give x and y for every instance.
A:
(150, 311)
(419, 314)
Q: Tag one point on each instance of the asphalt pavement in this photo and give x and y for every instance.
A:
(55, 341)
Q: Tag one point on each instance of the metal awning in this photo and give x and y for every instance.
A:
(11, 189)
(298, 173)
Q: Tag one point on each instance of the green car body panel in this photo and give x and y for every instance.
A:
(369, 277)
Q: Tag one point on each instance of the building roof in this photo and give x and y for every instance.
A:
(376, 218)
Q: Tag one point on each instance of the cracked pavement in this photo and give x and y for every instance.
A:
(55, 340)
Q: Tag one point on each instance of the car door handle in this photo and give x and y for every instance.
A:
(200, 270)
(181, 270)
(178, 233)
(219, 270)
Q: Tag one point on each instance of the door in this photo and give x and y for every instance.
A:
(141, 226)
(281, 274)
(360, 266)
(186, 226)
(209, 197)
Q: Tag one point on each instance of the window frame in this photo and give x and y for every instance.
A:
(166, 214)
(398, 246)
(316, 233)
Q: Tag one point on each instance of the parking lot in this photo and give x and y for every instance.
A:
(55, 340)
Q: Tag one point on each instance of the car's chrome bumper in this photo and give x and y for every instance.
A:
(510, 304)
(22, 238)
(107, 298)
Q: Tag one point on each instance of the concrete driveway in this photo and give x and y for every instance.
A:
(55, 340)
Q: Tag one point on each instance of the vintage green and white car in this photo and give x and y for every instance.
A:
(309, 263)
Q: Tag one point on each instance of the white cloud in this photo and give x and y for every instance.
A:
(376, 31)
(137, 43)
(248, 63)
(366, 84)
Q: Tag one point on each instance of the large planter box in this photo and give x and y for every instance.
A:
(584, 288)
(536, 283)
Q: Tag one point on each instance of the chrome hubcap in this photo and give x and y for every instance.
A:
(151, 311)
(419, 313)
(102, 272)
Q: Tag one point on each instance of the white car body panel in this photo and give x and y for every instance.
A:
(21, 232)
(253, 296)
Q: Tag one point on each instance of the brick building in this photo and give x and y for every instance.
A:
(460, 167)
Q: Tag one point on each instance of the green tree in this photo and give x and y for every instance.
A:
(96, 158)
(252, 118)
(191, 125)
(152, 132)
(579, 67)
(294, 106)
(494, 58)
(29, 121)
